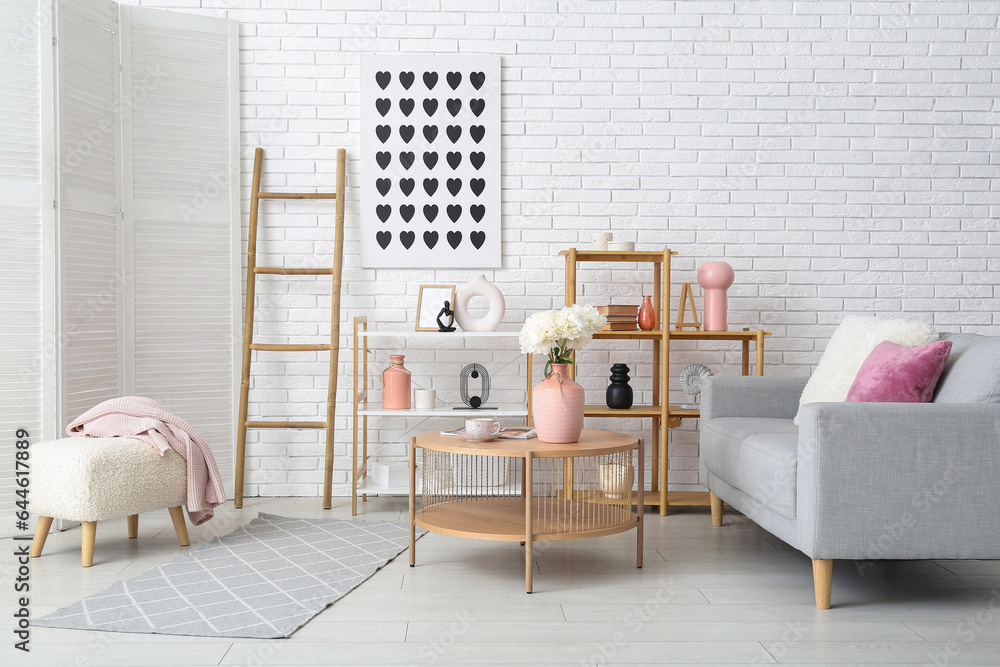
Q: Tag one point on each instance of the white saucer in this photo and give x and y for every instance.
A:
(482, 438)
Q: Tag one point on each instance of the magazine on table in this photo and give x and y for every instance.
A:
(509, 432)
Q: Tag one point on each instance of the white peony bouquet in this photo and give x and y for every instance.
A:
(556, 333)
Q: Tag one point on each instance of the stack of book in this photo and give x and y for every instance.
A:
(620, 317)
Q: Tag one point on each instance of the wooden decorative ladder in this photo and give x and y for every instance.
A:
(333, 346)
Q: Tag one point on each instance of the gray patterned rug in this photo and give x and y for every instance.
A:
(264, 580)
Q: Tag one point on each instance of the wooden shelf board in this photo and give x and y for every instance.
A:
(598, 410)
(390, 333)
(629, 335)
(618, 255)
(715, 335)
(503, 410)
(502, 519)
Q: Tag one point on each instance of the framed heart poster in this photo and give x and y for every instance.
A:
(430, 161)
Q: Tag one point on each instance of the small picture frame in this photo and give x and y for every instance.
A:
(430, 301)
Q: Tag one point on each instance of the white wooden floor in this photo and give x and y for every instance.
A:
(728, 596)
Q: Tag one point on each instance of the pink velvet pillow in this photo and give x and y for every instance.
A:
(895, 373)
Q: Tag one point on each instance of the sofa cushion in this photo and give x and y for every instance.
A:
(900, 373)
(755, 455)
(848, 348)
(972, 374)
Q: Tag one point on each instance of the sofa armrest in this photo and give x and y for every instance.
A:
(899, 480)
(751, 396)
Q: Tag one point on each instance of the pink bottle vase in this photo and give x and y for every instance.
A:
(715, 278)
(557, 407)
(396, 385)
(647, 315)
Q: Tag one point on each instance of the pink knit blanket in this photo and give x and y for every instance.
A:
(143, 418)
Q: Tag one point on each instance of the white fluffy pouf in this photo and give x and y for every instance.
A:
(92, 479)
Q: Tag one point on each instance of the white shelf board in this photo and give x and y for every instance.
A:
(502, 410)
(436, 334)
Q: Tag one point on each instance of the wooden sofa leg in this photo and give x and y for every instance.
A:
(133, 526)
(823, 581)
(716, 508)
(177, 516)
(89, 536)
(41, 532)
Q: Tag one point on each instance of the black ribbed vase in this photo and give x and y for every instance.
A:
(619, 394)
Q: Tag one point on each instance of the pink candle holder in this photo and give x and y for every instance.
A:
(715, 278)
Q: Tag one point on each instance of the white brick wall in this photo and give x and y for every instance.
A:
(842, 156)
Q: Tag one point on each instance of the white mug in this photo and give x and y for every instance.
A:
(424, 399)
(599, 240)
(482, 427)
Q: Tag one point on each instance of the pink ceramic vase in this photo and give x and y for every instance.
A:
(396, 385)
(557, 406)
(715, 278)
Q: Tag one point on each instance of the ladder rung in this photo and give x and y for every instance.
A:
(277, 270)
(297, 195)
(286, 424)
(290, 347)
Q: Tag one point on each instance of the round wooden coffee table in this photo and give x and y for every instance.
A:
(527, 490)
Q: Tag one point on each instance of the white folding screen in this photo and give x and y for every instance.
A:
(119, 211)
(22, 219)
(182, 203)
(91, 278)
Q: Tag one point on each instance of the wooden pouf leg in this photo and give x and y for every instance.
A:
(133, 526)
(89, 535)
(177, 515)
(41, 532)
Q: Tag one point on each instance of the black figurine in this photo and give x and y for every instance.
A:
(619, 394)
(450, 314)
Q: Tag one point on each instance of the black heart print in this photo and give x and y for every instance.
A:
(406, 159)
(454, 212)
(383, 79)
(406, 185)
(454, 159)
(406, 78)
(430, 80)
(430, 133)
(477, 211)
(383, 238)
(477, 106)
(383, 158)
(454, 133)
(406, 105)
(477, 238)
(477, 185)
(430, 106)
(475, 78)
(383, 185)
(477, 159)
(454, 186)
(454, 106)
(430, 239)
(454, 78)
(454, 238)
(406, 212)
(407, 238)
(383, 132)
(477, 132)
(383, 211)
(430, 212)
(406, 132)
(383, 104)
(430, 186)
(430, 159)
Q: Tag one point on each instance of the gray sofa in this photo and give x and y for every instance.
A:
(862, 481)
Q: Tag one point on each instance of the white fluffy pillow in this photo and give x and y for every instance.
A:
(849, 346)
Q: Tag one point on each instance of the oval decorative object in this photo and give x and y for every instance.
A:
(479, 286)
(471, 398)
